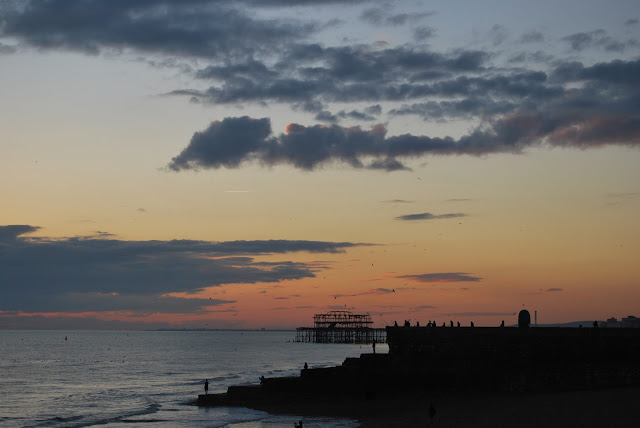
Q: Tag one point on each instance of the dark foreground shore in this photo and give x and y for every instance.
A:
(610, 407)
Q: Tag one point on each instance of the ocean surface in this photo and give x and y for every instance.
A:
(147, 378)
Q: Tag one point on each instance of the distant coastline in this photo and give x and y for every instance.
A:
(284, 330)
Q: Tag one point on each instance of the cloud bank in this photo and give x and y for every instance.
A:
(244, 56)
(99, 274)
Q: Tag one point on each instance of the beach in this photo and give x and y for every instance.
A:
(610, 407)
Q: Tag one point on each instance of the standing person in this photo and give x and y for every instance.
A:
(432, 414)
(206, 386)
(373, 343)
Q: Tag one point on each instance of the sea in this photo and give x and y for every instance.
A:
(150, 378)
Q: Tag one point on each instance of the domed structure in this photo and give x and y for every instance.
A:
(524, 319)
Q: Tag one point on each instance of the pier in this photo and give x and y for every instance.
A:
(341, 327)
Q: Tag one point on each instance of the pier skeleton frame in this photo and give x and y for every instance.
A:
(341, 327)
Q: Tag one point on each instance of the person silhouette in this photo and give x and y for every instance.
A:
(306, 366)
(206, 386)
(432, 413)
(502, 323)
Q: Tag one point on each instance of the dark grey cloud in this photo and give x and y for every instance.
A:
(339, 74)
(460, 109)
(598, 39)
(246, 58)
(11, 232)
(379, 15)
(603, 111)
(198, 28)
(428, 216)
(97, 274)
(533, 36)
(367, 114)
(423, 33)
(442, 277)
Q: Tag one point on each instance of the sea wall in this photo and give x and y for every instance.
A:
(427, 359)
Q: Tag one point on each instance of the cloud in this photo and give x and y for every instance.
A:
(597, 39)
(372, 291)
(442, 277)
(367, 114)
(7, 49)
(428, 216)
(548, 290)
(461, 109)
(250, 58)
(532, 37)
(423, 33)
(98, 274)
(8, 233)
(313, 74)
(195, 28)
(601, 112)
(377, 16)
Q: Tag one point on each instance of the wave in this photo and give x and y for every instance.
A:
(79, 421)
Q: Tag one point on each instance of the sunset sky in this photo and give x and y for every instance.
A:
(247, 164)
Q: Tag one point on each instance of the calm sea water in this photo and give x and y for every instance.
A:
(125, 379)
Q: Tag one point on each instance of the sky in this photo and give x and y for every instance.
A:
(248, 164)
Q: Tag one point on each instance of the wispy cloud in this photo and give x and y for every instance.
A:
(548, 290)
(442, 277)
(428, 216)
(372, 291)
(398, 201)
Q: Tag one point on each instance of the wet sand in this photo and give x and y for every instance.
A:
(612, 407)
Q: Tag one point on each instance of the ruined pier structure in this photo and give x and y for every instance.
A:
(341, 327)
